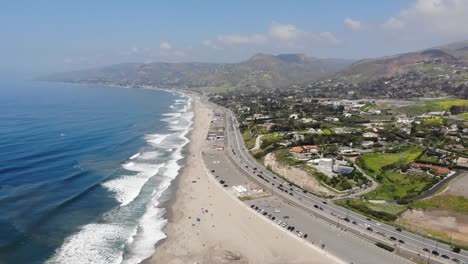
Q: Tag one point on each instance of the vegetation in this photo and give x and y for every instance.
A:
(399, 187)
(363, 207)
(384, 246)
(447, 202)
(435, 106)
(376, 163)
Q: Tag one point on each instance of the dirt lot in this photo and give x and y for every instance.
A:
(439, 222)
(459, 186)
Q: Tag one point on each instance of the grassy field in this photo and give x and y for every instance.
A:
(374, 162)
(447, 202)
(395, 186)
(436, 121)
(387, 212)
(464, 116)
(431, 106)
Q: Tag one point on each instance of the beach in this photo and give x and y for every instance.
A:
(209, 225)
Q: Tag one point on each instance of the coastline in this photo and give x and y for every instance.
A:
(227, 232)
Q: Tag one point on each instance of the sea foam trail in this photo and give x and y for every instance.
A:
(128, 233)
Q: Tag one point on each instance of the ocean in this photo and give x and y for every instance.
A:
(85, 170)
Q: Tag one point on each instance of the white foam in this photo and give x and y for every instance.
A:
(94, 243)
(156, 139)
(128, 187)
(135, 155)
(151, 224)
(106, 242)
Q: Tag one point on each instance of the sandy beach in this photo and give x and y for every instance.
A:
(228, 231)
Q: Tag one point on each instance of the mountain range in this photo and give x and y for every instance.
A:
(261, 70)
(266, 71)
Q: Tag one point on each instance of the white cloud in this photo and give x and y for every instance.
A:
(210, 44)
(329, 37)
(285, 32)
(393, 23)
(444, 17)
(242, 39)
(353, 24)
(165, 46)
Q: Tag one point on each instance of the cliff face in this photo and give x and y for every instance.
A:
(298, 176)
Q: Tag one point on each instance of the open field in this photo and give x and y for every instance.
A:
(440, 224)
(373, 163)
(442, 215)
(395, 186)
(431, 106)
(386, 211)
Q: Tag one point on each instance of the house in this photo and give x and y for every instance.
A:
(331, 119)
(323, 164)
(370, 135)
(404, 120)
(314, 149)
(300, 153)
(367, 144)
(436, 169)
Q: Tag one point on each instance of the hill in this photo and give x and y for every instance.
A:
(260, 71)
(452, 54)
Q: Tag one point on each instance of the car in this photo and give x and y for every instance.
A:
(370, 229)
(284, 224)
(265, 205)
(347, 219)
(324, 202)
(221, 181)
(368, 219)
(225, 185)
(435, 253)
(274, 177)
(321, 208)
(252, 206)
(445, 256)
(300, 234)
(289, 228)
(456, 260)
(393, 238)
(269, 215)
(277, 211)
(378, 224)
(354, 223)
(456, 250)
(426, 250)
(273, 218)
(305, 236)
(401, 241)
(265, 213)
(292, 228)
(291, 194)
(398, 229)
(255, 168)
(316, 206)
(286, 217)
(212, 171)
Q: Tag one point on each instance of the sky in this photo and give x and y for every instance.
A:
(52, 36)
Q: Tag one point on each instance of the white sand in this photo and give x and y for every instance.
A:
(229, 232)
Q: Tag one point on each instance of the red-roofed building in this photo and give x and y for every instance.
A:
(437, 169)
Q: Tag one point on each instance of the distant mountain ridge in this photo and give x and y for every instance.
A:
(260, 71)
(456, 53)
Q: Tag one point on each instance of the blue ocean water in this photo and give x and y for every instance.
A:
(83, 170)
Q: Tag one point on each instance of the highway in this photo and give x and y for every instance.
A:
(357, 224)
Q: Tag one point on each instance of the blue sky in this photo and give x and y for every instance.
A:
(46, 36)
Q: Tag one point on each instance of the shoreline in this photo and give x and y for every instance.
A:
(222, 237)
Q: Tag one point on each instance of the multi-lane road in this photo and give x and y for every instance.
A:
(407, 243)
